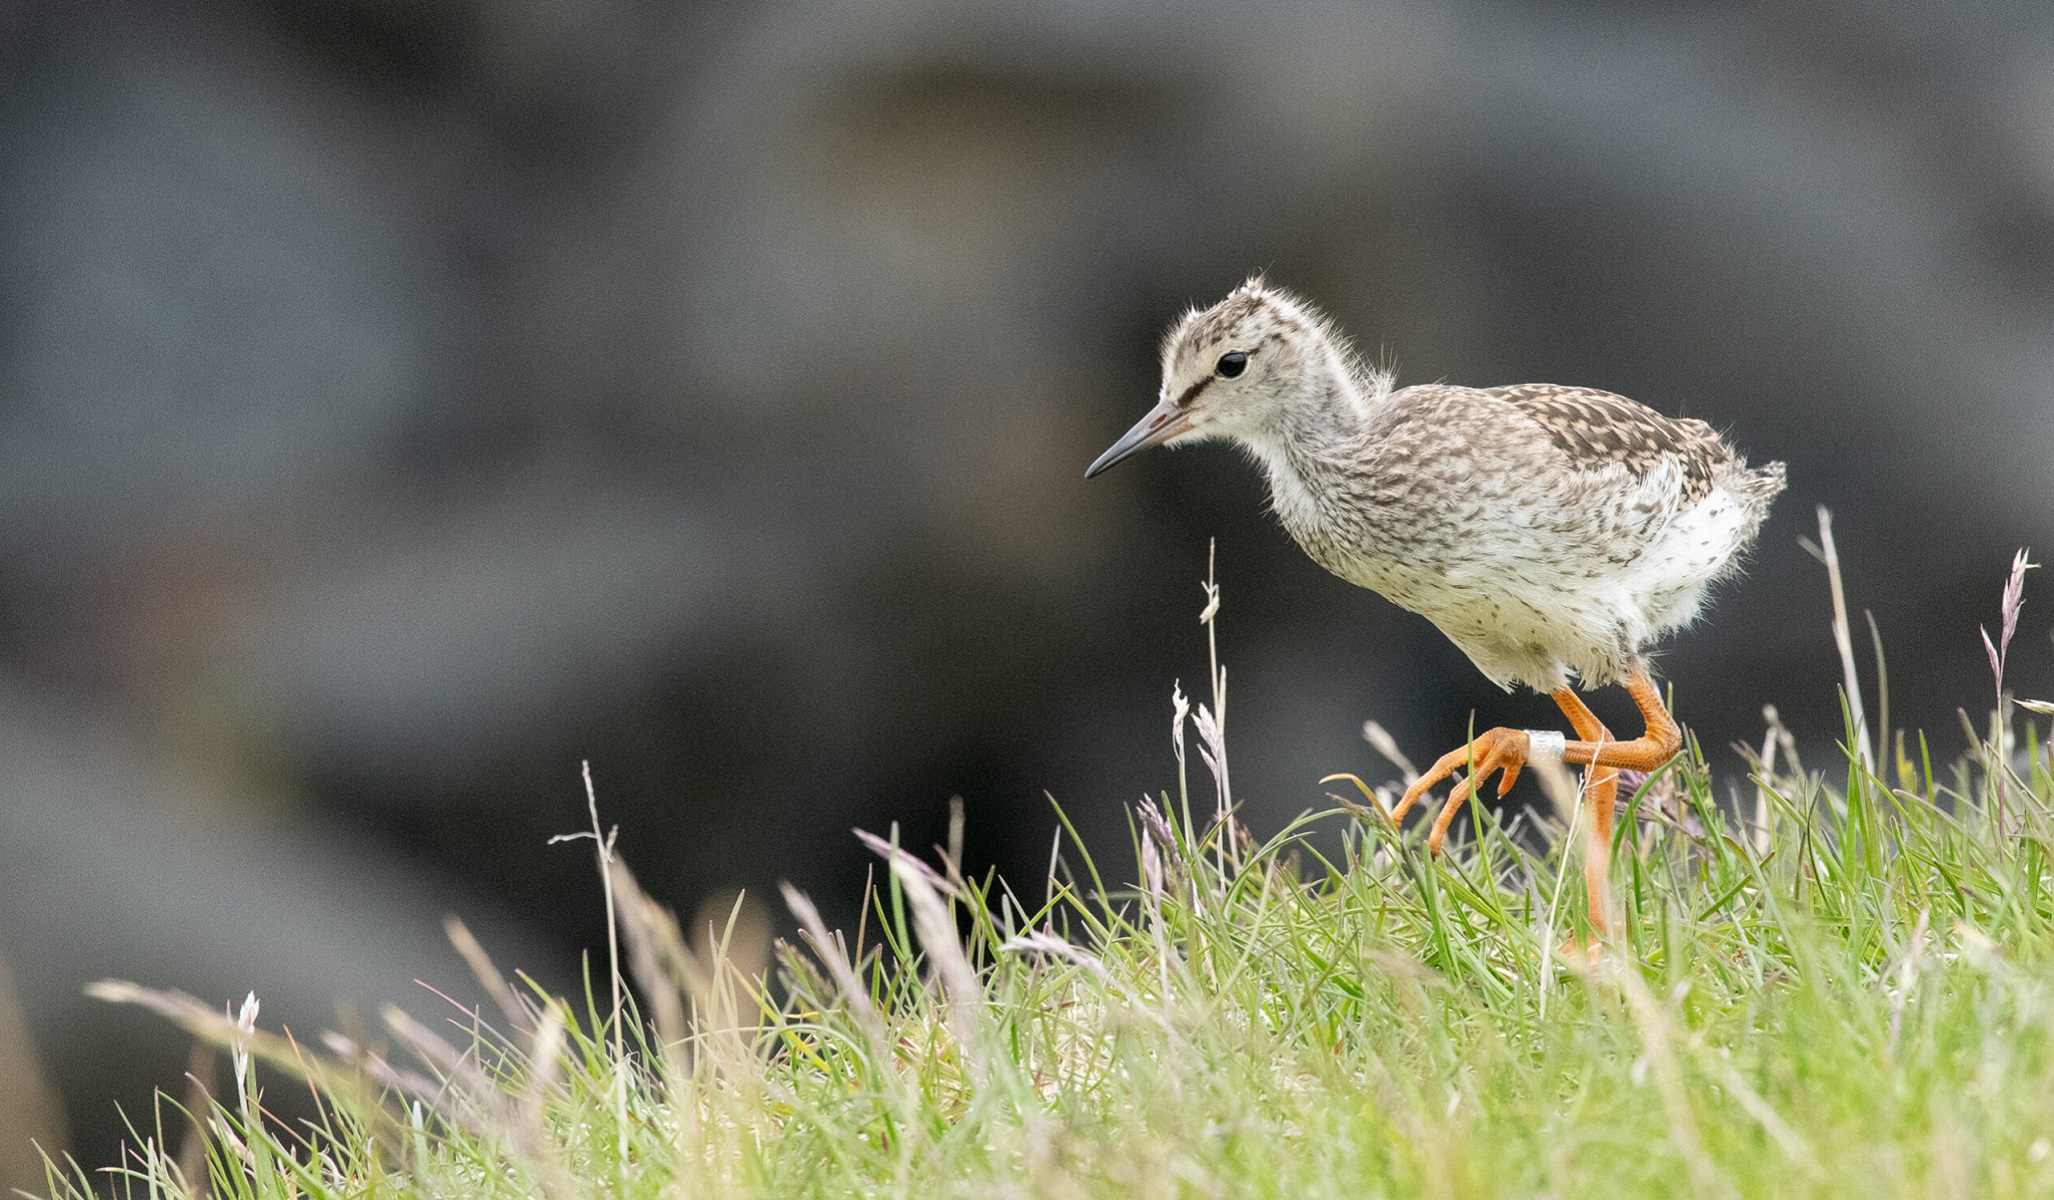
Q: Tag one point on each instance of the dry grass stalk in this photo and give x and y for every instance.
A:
(1843, 636)
(545, 1065)
(602, 842)
(434, 1095)
(1383, 743)
(936, 929)
(1212, 724)
(199, 1019)
(459, 1072)
(731, 945)
(1180, 710)
(1772, 740)
(830, 950)
(663, 968)
(192, 1152)
(1052, 946)
(518, 1017)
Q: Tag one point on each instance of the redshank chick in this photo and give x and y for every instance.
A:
(1553, 533)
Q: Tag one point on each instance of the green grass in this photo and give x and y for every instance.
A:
(1842, 984)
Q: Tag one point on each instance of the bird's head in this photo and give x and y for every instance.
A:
(1231, 370)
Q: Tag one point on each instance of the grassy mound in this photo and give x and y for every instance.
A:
(1829, 986)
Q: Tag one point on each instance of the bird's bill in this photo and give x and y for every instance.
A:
(1163, 422)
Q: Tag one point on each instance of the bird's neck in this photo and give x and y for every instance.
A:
(1315, 447)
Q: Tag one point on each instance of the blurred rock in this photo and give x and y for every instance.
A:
(31, 1120)
(120, 868)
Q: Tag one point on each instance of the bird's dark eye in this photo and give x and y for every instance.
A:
(1232, 364)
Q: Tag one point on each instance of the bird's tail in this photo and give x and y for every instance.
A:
(1755, 487)
(1764, 483)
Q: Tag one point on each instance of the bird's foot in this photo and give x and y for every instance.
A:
(1498, 749)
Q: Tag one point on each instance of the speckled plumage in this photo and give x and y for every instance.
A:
(1551, 532)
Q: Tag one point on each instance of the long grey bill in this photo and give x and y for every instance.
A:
(1163, 422)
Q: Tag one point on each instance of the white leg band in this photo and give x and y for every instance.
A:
(1545, 743)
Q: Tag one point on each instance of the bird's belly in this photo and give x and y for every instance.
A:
(1524, 612)
(1482, 593)
(1519, 617)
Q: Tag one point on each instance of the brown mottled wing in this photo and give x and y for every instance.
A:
(1594, 428)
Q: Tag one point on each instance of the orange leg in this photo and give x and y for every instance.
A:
(1506, 750)
(1601, 789)
(1644, 753)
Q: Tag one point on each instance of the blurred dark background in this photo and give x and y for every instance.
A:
(403, 400)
